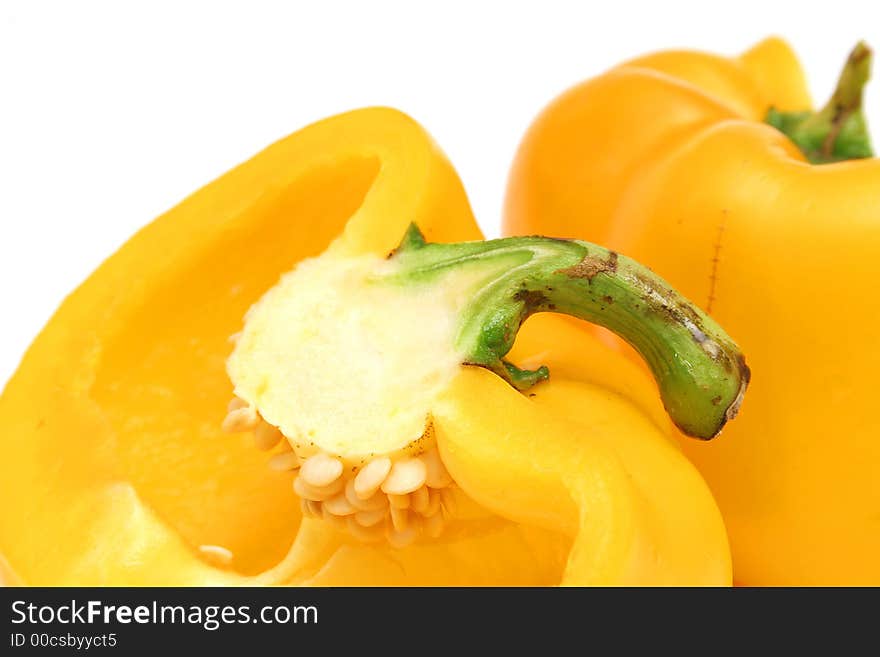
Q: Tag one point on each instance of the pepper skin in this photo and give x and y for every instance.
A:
(667, 158)
(110, 428)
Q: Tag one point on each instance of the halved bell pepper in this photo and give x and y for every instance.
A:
(116, 471)
(716, 173)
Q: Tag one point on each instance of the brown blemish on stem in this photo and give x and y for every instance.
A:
(840, 115)
(531, 298)
(745, 373)
(591, 266)
(661, 300)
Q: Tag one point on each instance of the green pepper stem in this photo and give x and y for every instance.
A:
(838, 131)
(700, 371)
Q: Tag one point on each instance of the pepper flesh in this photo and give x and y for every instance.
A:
(110, 427)
(667, 158)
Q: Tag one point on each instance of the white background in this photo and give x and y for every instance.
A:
(111, 112)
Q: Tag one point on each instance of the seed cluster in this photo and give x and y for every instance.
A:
(393, 499)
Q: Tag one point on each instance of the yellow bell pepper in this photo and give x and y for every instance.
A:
(116, 471)
(670, 159)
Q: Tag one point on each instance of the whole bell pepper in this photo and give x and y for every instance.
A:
(716, 173)
(405, 447)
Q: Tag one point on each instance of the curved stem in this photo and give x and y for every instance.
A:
(838, 131)
(700, 371)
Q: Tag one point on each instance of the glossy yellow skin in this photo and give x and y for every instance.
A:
(666, 160)
(114, 468)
